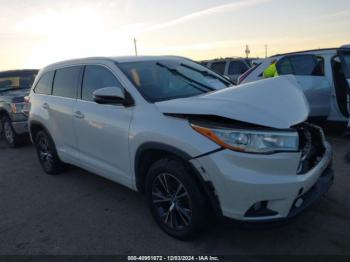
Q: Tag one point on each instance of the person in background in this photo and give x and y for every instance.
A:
(271, 71)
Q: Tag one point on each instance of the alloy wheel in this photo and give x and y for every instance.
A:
(45, 152)
(171, 201)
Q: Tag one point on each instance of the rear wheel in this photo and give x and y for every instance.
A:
(9, 134)
(47, 154)
(176, 202)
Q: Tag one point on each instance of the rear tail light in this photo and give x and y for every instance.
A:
(247, 73)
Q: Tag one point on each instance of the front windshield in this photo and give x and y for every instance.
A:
(160, 80)
(16, 82)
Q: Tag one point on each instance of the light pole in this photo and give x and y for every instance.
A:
(265, 51)
(247, 51)
(135, 45)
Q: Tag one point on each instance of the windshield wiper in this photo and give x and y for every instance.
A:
(207, 73)
(177, 72)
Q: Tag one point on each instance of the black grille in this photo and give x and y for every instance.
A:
(311, 144)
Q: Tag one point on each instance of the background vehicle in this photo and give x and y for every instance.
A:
(14, 86)
(321, 74)
(180, 133)
(230, 67)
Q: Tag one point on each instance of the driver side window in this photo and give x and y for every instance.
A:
(96, 77)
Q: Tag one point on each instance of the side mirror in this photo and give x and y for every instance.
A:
(109, 95)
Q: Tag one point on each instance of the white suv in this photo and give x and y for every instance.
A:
(178, 132)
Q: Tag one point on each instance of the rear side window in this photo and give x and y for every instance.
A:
(96, 77)
(66, 82)
(218, 67)
(304, 65)
(237, 68)
(301, 65)
(284, 67)
(44, 85)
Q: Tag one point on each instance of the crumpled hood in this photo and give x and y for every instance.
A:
(276, 103)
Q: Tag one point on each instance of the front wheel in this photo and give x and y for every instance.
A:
(47, 154)
(176, 202)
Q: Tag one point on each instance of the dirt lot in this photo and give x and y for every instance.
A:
(80, 213)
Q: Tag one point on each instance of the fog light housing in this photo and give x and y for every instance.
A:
(260, 209)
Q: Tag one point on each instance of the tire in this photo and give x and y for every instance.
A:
(47, 154)
(12, 139)
(182, 217)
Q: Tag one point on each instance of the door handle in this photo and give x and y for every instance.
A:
(46, 106)
(79, 114)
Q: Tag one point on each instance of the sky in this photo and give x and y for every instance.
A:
(34, 33)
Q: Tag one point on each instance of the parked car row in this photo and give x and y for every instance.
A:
(193, 143)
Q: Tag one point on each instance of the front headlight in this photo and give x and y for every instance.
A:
(251, 141)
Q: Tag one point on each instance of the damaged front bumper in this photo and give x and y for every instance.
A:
(258, 188)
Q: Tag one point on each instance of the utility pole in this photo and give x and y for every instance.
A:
(135, 45)
(265, 51)
(247, 51)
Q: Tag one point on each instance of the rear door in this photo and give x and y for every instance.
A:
(60, 111)
(308, 71)
(344, 55)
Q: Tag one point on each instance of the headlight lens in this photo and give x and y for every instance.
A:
(251, 141)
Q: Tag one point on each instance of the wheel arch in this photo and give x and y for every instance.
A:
(150, 152)
(35, 127)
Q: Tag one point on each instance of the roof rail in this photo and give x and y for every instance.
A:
(306, 51)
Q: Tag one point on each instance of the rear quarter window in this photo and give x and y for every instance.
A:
(44, 85)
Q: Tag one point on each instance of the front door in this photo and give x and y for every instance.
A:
(344, 55)
(103, 130)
